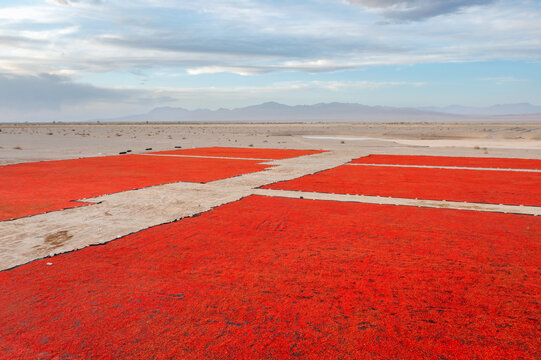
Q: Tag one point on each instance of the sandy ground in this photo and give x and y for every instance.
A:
(21, 143)
(116, 215)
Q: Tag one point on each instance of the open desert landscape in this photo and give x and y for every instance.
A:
(270, 241)
(270, 180)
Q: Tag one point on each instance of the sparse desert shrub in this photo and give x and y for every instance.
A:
(17, 148)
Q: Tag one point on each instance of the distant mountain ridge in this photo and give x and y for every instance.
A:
(494, 110)
(325, 112)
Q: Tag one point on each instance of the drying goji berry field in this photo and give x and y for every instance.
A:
(270, 277)
(251, 153)
(371, 281)
(34, 188)
(478, 186)
(476, 162)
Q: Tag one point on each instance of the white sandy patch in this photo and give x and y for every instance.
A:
(467, 143)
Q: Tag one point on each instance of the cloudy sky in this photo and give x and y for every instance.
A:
(84, 59)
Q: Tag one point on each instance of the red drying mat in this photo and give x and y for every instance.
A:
(479, 186)
(248, 153)
(282, 278)
(477, 162)
(35, 188)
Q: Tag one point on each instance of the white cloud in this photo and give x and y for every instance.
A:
(283, 87)
(359, 85)
(31, 14)
(244, 71)
(73, 2)
(503, 80)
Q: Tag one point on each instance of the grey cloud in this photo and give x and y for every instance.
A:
(226, 45)
(19, 41)
(415, 10)
(250, 46)
(26, 92)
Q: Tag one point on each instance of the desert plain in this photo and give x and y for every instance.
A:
(37, 142)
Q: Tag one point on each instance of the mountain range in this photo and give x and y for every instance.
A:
(338, 112)
(494, 110)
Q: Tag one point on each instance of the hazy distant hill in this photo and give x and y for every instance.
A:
(324, 112)
(500, 109)
(275, 112)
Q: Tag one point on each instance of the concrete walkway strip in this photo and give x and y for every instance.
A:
(446, 167)
(511, 209)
